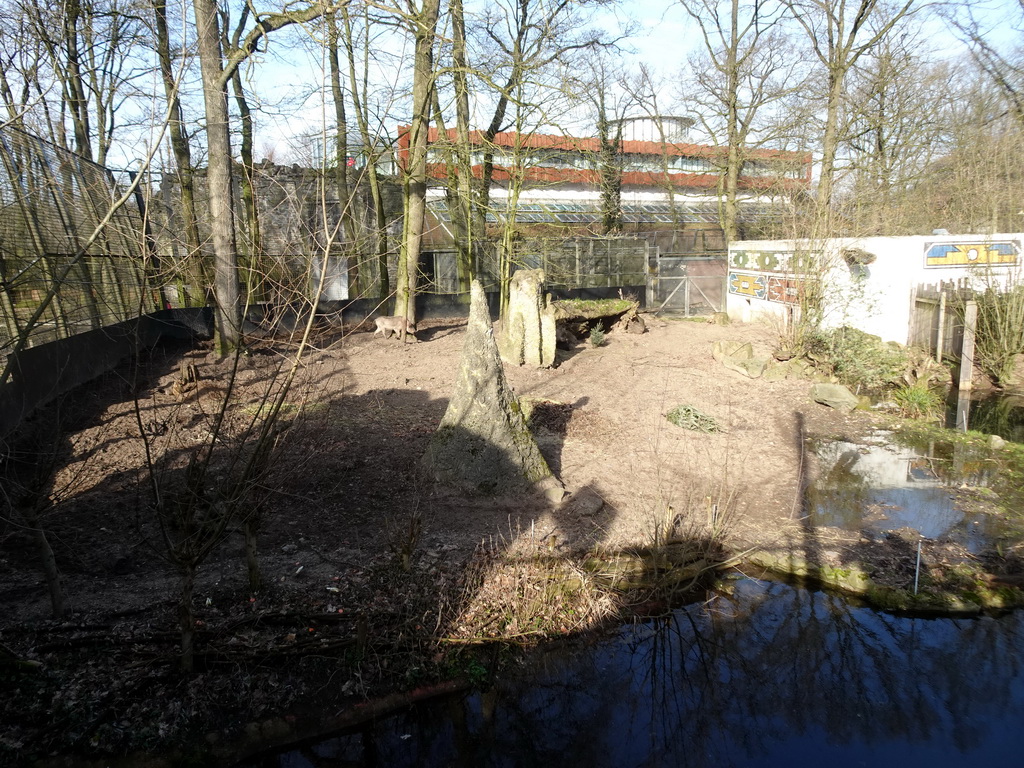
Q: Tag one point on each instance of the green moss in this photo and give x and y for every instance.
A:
(959, 591)
(595, 307)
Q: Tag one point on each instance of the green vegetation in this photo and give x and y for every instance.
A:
(597, 335)
(945, 590)
(688, 417)
(857, 359)
(918, 401)
(591, 308)
(1000, 331)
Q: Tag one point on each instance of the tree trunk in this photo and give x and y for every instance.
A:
(733, 161)
(48, 560)
(346, 198)
(483, 444)
(830, 138)
(415, 178)
(471, 236)
(74, 85)
(609, 170)
(250, 529)
(179, 140)
(250, 208)
(187, 618)
(227, 311)
(380, 240)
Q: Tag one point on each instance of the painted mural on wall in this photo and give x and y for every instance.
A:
(770, 275)
(971, 253)
(745, 284)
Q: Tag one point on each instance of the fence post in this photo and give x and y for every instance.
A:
(967, 355)
(649, 275)
(940, 340)
(590, 261)
(686, 295)
(577, 281)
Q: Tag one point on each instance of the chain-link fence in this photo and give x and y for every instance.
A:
(584, 262)
(587, 262)
(51, 285)
(688, 285)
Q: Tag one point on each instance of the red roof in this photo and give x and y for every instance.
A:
(545, 174)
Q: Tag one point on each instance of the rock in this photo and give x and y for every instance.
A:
(636, 325)
(585, 502)
(1015, 381)
(906, 534)
(528, 327)
(849, 577)
(789, 369)
(835, 396)
(739, 356)
(995, 442)
(483, 444)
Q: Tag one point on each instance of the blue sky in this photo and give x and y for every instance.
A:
(663, 40)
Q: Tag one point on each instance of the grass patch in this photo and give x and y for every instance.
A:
(918, 401)
(593, 307)
(688, 417)
(857, 359)
(525, 600)
(287, 409)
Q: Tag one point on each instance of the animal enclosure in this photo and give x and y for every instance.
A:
(62, 271)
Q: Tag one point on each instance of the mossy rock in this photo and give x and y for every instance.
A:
(968, 599)
(650, 569)
(592, 309)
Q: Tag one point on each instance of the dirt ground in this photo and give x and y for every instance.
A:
(341, 502)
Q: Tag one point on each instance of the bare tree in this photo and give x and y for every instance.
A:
(520, 41)
(607, 97)
(840, 32)
(421, 22)
(358, 42)
(180, 140)
(746, 69)
(901, 121)
(218, 66)
(71, 68)
(1002, 64)
(974, 185)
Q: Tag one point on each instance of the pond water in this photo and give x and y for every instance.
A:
(993, 414)
(882, 485)
(765, 675)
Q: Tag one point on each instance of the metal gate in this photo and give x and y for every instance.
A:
(687, 284)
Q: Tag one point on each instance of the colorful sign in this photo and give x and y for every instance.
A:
(970, 254)
(785, 290)
(744, 284)
(772, 261)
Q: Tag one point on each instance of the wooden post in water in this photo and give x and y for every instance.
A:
(967, 353)
(963, 410)
(940, 340)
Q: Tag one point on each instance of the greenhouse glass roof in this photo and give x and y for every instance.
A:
(561, 212)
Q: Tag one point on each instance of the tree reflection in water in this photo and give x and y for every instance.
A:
(768, 675)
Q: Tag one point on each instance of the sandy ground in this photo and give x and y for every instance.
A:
(343, 498)
(346, 480)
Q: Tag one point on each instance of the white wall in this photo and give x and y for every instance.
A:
(878, 299)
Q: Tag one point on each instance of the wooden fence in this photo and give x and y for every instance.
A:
(936, 318)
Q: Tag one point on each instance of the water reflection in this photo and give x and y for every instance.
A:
(994, 414)
(769, 675)
(884, 486)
